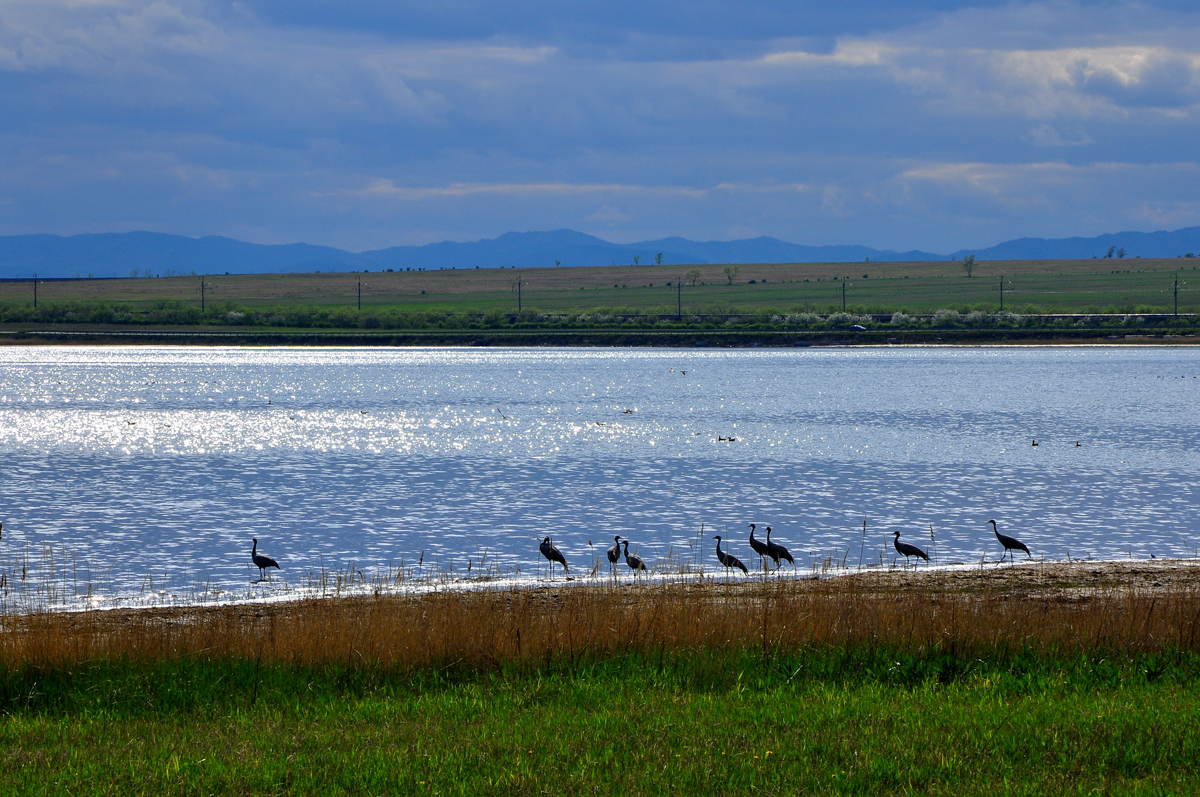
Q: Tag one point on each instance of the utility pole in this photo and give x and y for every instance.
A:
(202, 295)
(1176, 296)
(679, 298)
(843, 296)
(519, 294)
(35, 291)
(360, 293)
(1002, 293)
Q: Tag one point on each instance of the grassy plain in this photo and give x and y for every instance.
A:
(1083, 286)
(1028, 680)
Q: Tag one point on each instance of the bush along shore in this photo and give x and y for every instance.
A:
(766, 327)
(855, 685)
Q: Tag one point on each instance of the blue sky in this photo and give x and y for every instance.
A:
(364, 124)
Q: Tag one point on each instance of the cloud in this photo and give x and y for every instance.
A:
(379, 123)
(1045, 135)
(386, 188)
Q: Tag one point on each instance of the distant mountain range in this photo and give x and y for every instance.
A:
(150, 253)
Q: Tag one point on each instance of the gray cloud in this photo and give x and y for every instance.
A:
(268, 121)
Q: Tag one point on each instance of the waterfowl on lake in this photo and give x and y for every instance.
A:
(906, 550)
(1009, 543)
(554, 555)
(262, 561)
(728, 559)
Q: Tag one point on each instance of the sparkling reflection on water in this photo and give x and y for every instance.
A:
(167, 460)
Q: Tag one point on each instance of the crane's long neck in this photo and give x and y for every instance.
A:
(254, 549)
(995, 530)
(720, 555)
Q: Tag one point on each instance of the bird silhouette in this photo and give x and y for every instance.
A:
(1009, 543)
(633, 560)
(728, 559)
(554, 555)
(777, 551)
(906, 550)
(758, 546)
(614, 554)
(262, 561)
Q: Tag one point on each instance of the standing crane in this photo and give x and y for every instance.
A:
(1009, 543)
(554, 555)
(262, 561)
(777, 551)
(758, 546)
(728, 559)
(614, 554)
(906, 550)
(633, 560)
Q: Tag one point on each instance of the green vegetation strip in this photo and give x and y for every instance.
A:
(818, 721)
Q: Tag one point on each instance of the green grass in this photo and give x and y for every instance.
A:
(1088, 286)
(819, 721)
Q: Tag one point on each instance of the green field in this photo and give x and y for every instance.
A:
(1090, 286)
(845, 722)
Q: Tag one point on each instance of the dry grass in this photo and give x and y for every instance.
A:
(494, 628)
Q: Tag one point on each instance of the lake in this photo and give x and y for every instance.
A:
(162, 463)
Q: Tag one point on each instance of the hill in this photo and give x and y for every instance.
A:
(148, 253)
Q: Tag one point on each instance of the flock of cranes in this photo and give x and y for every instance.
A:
(766, 549)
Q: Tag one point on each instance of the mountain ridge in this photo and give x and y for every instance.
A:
(142, 253)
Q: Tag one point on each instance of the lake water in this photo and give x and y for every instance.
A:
(164, 462)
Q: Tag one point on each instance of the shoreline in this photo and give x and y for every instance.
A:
(1028, 580)
(675, 339)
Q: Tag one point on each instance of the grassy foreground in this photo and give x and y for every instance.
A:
(848, 722)
(1032, 684)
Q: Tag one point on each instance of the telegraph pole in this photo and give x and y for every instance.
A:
(35, 291)
(1002, 293)
(843, 296)
(1176, 296)
(202, 295)
(360, 294)
(679, 298)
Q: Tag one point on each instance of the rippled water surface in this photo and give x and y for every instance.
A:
(166, 461)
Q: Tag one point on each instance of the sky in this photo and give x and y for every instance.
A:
(363, 124)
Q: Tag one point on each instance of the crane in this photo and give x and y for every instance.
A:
(1009, 543)
(554, 555)
(906, 550)
(614, 554)
(777, 551)
(632, 559)
(758, 546)
(728, 559)
(262, 561)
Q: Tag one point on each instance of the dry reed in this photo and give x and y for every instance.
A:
(494, 628)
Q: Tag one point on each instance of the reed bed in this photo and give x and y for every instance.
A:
(498, 628)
